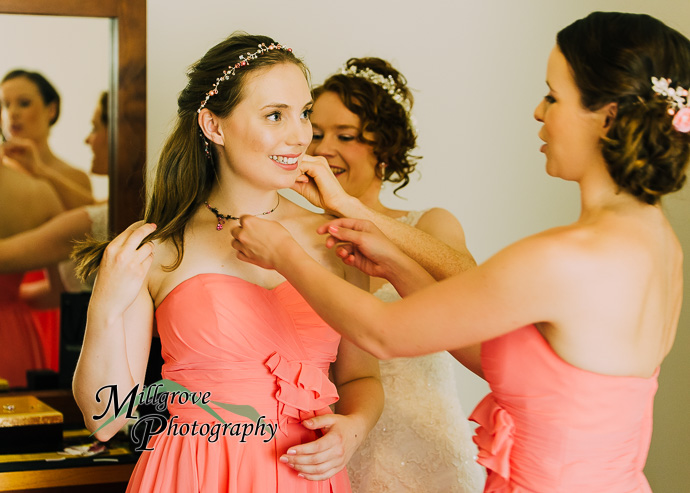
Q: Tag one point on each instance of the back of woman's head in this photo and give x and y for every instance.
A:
(103, 105)
(377, 93)
(614, 57)
(185, 172)
(47, 91)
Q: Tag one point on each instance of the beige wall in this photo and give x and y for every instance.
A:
(478, 69)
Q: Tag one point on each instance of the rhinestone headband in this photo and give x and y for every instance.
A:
(244, 60)
(679, 105)
(386, 83)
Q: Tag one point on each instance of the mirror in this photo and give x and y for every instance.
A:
(79, 72)
(128, 90)
(117, 64)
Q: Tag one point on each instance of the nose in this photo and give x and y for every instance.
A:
(299, 133)
(539, 111)
(322, 147)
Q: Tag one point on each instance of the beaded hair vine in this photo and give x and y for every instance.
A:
(244, 61)
(229, 72)
(386, 83)
(679, 105)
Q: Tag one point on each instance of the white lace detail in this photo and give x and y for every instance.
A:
(422, 442)
(99, 230)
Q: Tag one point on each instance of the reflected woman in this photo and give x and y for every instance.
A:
(48, 244)
(30, 107)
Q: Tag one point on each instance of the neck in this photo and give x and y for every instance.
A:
(44, 151)
(599, 194)
(371, 198)
(242, 202)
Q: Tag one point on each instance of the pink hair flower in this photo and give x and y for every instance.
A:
(681, 121)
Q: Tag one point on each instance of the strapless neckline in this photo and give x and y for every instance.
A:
(229, 277)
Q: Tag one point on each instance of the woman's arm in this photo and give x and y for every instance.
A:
(118, 332)
(43, 294)
(523, 284)
(46, 245)
(367, 249)
(72, 186)
(440, 250)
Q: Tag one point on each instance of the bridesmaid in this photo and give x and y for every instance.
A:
(236, 331)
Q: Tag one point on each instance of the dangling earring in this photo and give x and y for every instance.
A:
(207, 149)
(382, 170)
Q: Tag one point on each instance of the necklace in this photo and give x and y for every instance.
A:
(227, 217)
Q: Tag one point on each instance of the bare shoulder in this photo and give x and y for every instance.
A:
(75, 174)
(442, 225)
(576, 254)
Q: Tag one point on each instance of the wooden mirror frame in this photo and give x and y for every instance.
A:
(128, 157)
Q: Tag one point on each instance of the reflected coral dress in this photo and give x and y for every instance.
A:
(247, 345)
(20, 344)
(548, 426)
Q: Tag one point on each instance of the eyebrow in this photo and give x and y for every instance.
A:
(339, 127)
(283, 106)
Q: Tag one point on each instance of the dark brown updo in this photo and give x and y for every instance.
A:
(383, 116)
(613, 57)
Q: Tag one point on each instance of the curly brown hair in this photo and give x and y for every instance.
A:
(380, 114)
(613, 57)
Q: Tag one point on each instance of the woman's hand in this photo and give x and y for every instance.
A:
(319, 185)
(261, 242)
(362, 245)
(124, 267)
(325, 456)
(22, 154)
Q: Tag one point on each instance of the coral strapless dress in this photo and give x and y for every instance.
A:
(548, 426)
(246, 345)
(20, 344)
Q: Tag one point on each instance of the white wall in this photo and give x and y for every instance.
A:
(55, 47)
(478, 69)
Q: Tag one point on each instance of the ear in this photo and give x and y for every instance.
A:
(52, 111)
(210, 127)
(608, 112)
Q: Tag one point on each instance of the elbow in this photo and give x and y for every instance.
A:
(102, 435)
(380, 349)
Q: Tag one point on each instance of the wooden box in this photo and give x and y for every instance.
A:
(28, 425)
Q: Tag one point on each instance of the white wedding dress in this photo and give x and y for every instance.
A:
(422, 442)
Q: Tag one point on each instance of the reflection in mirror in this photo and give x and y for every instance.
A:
(79, 72)
(65, 135)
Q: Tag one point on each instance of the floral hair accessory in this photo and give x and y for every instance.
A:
(679, 106)
(244, 61)
(386, 83)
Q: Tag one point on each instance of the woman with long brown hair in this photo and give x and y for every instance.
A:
(236, 333)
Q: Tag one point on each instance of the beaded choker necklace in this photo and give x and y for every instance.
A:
(227, 217)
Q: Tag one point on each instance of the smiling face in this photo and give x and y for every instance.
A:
(336, 137)
(571, 132)
(24, 113)
(267, 133)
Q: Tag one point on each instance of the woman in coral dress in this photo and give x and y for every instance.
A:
(235, 333)
(575, 321)
(20, 343)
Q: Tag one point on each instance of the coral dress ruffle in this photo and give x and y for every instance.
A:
(247, 345)
(548, 426)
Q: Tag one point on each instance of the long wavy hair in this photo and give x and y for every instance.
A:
(185, 174)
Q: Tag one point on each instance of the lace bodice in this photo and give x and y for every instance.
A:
(422, 442)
